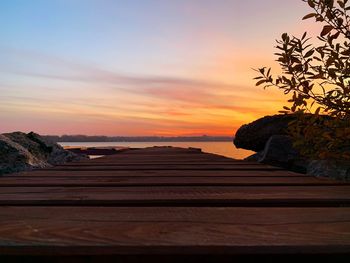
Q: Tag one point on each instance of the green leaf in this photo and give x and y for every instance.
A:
(346, 52)
(268, 72)
(304, 35)
(311, 3)
(260, 82)
(341, 4)
(309, 53)
(317, 112)
(326, 29)
(309, 16)
(285, 37)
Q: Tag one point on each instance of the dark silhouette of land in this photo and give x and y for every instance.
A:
(85, 138)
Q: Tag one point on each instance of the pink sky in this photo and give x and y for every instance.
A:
(139, 68)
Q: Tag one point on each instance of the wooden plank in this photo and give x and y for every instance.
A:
(171, 201)
(173, 231)
(163, 154)
(141, 159)
(163, 150)
(162, 159)
(100, 181)
(160, 162)
(169, 155)
(92, 151)
(172, 158)
(178, 195)
(238, 167)
(164, 163)
(182, 173)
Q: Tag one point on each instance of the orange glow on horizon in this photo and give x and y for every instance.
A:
(174, 77)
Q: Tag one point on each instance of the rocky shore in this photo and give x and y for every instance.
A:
(21, 152)
(269, 138)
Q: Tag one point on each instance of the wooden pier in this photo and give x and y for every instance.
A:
(167, 204)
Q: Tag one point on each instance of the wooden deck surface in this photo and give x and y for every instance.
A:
(171, 202)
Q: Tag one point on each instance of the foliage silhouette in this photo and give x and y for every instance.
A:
(317, 78)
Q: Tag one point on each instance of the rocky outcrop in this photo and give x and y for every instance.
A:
(14, 157)
(254, 136)
(268, 137)
(279, 151)
(20, 151)
(339, 170)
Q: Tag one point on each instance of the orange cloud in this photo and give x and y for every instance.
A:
(89, 100)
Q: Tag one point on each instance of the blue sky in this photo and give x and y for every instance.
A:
(157, 67)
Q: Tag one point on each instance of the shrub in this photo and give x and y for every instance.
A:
(317, 79)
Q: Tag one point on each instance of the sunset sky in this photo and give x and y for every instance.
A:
(139, 67)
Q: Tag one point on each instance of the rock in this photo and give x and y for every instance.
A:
(57, 154)
(14, 157)
(35, 147)
(279, 152)
(335, 169)
(254, 136)
(254, 157)
(20, 151)
(268, 137)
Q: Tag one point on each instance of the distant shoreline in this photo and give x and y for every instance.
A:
(85, 138)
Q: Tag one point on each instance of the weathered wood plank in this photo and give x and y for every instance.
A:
(171, 159)
(182, 173)
(101, 181)
(163, 150)
(178, 195)
(161, 163)
(173, 231)
(116, 167)
(212, 208)
(147, 155)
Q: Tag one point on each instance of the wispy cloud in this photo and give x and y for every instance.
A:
(58, 68)
(187, 103)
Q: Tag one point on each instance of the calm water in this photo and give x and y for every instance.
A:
(222, 148)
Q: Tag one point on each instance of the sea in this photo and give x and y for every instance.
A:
(222, 148)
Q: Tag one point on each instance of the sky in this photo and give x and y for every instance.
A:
(139, 67)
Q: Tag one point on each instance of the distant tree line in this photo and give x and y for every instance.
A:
(85, 138)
